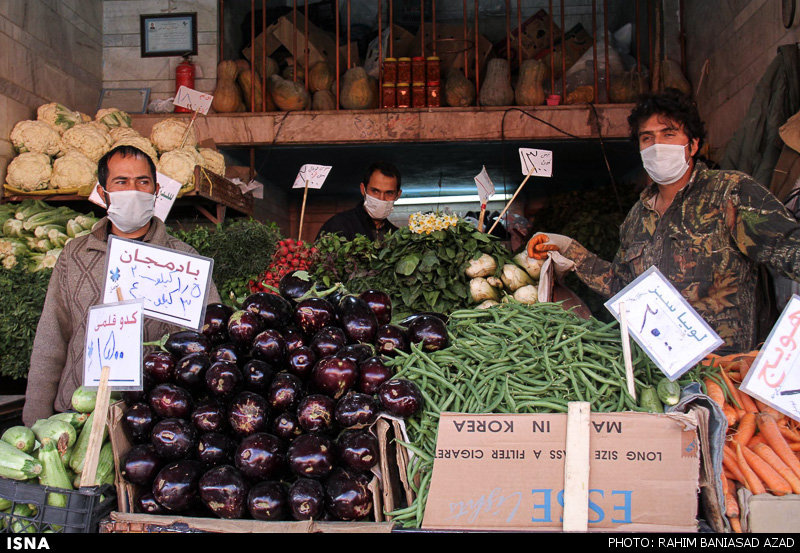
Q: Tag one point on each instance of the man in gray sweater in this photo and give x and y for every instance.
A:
(127, 184)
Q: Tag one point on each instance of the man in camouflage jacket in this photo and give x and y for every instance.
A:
(705, 230)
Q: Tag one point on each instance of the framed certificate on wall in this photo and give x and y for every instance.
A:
(171, 34)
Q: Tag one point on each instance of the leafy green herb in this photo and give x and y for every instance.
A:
(23, 297)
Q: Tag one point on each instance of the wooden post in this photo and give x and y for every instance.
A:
(626, 350)
(481, 218)
(188, 128)
(532, 171)
(302, 211)
(576, 468)
(99, 419)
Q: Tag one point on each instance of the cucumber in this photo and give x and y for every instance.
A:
(4, 504)
(62, 433)
(83, 400)
(668, 392)
(76, 419)
(19, 526)
(79, 451)
(648, 399)
(20, 437)
(16, 464)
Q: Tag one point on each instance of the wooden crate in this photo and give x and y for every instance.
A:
(220, 190)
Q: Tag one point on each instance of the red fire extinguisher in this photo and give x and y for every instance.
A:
(184, 76)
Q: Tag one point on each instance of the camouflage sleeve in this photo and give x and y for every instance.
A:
(603, 277)
(762, 227)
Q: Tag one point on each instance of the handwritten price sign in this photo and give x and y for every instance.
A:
(173, 285)
(538, 161)
(663, 323)
(114, 339)
(485, 185)
(313, 175)
(192, 99)
(774, 377)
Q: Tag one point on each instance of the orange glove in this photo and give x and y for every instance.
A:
(539, 245)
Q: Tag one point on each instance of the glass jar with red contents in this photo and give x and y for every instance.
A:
(390, 70)
(403, 93)
(432, 70)
(403, 70)
(418, 69)
(389, 95)
(418, 98)
(433, 91)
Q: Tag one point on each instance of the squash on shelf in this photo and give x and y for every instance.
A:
(227, 95)
(323, 100)
(496, 88)
(288, 95)
(320, 76)
(458, 90)
(359, 90)
(529, 90)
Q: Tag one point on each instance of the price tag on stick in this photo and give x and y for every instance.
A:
(485, 192)
(533, 162)
(309, 176)
(198, 102)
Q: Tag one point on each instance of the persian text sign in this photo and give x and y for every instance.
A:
(774, 377)
(312, 176)
(537, 162)
(664, 324)
(485, 186)
(172, 284)
(192, 99)
(114, 339)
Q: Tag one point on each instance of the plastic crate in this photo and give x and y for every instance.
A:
(82, 514)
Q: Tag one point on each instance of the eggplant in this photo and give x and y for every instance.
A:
(275, 310)
(328, 341)
(185, 342)
(356, 352)
(175, 485)
(311, 455)
(138, 421)
(159, 366)
(215, 449)
(294, 338)
(140, 464)
(190, 370)
(400, 397)
(286, 426)
(372, 373)
(146, 503)
(357, 449)
(223, 379)
(334, 376)
(260, 456)
(301, 361)
(357, 319)
(306, 499)
(294, 285)
(313, 314)
(315, 413)
(356, 409)
(243, 326)
(267, 500)
(411, 318)
(173, 438)
(390, 339)
(210, 416)
(348, 495)
(381, 304)
(224, 491)
(170, 400)
(285, 392)
(225, 352)
(248, 413)
(215, 322)
(269, 346)
(257, 375)
(430, 331)
(136, 396)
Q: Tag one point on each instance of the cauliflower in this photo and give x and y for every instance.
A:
(168, 133)
(91, 139)
(179, 164)
(119, 133)
(73, 170)
(58, 115)
(213, 160)
(113, 117)
(35, 136)
(29, 171)
(140, 142)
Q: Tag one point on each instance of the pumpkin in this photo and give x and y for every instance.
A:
(288, 95)
(359, 90)
(323, 100)
(496, 88)
(529, 90)
(320, 76)
(583, 94)
(288, 71)
(458, 90)
(227, 96)
(250, 83)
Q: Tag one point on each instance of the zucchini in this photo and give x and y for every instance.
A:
(648, 399)
(20, 437)
(60, 432)
(105, 464)
(668, 392)
(54, 474)
(76, 419)
(79, 451)
(4, 504)
(16, 464)
(83, 400)
(19, 526)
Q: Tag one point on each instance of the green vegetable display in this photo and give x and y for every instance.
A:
(341, 260)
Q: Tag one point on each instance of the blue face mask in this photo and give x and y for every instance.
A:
(665, 163)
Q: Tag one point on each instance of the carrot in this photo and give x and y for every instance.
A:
(746, 428)
(747, 403)
(731, 505)
(730, 414)
(789, 434)
(730, 463)
(771, 478)
(736, 524)
(734, 392)
(795, 446)
(769, 428)
(714, 391)
(757, 439)
(752, 481)
(764, 408)
(766, 453)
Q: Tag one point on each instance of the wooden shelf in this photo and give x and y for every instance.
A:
(578, 121)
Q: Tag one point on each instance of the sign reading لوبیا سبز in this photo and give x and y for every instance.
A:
(311, 175)
(774, 377)
(173, 285)
(663, 323)
(193, 100)
(538, 163)
(485, 186)
(114, 339)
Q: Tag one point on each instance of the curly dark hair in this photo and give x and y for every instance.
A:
(673, 104)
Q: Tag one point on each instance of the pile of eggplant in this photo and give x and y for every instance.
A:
(266, 412)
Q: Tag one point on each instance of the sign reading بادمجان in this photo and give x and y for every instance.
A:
(506, 472)
(173, 285)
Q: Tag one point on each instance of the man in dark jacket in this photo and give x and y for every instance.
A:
(380, 187)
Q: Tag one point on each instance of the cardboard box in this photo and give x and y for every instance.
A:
(536, 38)
(506, 472)
(451, 46)
(770, 514)
(576, 43)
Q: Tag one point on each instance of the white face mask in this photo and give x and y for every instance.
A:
(130, 210)
(665, 163)
(377, 209)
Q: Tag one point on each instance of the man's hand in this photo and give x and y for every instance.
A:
(543, 242)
